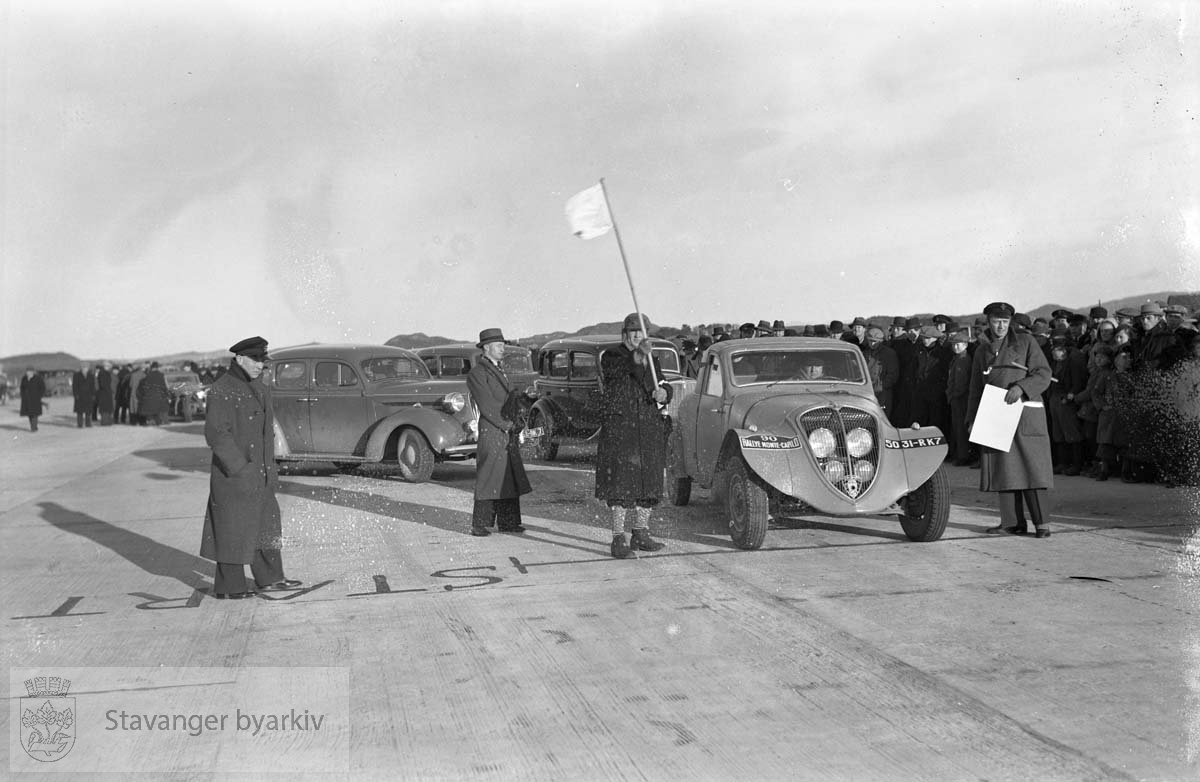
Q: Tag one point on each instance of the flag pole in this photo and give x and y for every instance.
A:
(629, 276)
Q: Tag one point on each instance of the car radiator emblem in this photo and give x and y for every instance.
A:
(852, 487)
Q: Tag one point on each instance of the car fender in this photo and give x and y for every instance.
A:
(549, 411)
(923, 451)
(441, 430)
(282, 450)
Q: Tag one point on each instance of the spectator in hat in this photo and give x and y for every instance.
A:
(763, 329)
(858, 332)
(896, 330)
(718, 333)
(631, 453)
(105, 392)
(747, 330)
(1014, 362)
(929, 405)
(242, 524)
(836, 329)
(1058, 319)
(1078, 327)
(500, 478)
(821, 330)
(1106, 331)
(703, 343)
(883, 366)
(690, 358)
(1158, 347)
(1022, 323)
(33, 389)
(1126, 316)
(153, 396)
(778, 329)
(942, 323)
(1175, 315)
(809, 330)
(1097, 313)
(905, 347)
(958, 392)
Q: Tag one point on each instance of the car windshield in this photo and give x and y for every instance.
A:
(181, 377)
(809, 365)
(668, 359)
(405, 367)
(516, 359)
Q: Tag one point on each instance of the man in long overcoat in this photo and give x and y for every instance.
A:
(631, 453)
(242, 523)
(1014, 361)
(83, 388)
(500, 478)
(33, 388)
(105, 398)
(154, 398)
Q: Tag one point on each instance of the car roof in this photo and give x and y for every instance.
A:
(343, 351)
(600, 339)
(462, 348)
(780, 343)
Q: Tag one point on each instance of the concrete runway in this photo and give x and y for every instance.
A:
(840, 651)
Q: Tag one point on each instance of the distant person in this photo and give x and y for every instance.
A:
(631, 453)
(242, 525)
(1014, 362)
(500, 478)
(105, 393)
(958, 390)
(135, 382)
(122, 394)
(33, 388)
(883, 366)
(3, 389)
(83, 388)
(153, 397)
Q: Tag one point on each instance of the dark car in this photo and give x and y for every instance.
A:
(457, 358)
(358, 404)
(791, 425)
(187, 394)
(568, 389)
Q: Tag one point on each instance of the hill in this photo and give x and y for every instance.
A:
(420, 340)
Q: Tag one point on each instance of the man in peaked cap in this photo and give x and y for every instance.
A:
(1126, 316)
(500, 478)
(942, 322)
(747, 330)
(1016, 364)
(242, 525)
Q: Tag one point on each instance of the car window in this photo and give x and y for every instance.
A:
(714, 386)
(431, 363)
(807, 365)
(455, 365)
(516, 359)
(668, 359)
(335, 374)
(583, 365)
(289, 374)
(555, 363)
(385, 367)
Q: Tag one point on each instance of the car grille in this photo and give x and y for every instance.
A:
(850, 475)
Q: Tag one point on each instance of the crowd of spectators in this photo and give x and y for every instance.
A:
(1124, 401)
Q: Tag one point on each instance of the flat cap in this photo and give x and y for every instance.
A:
(1126, 312)
(1151, 308)
(1002, 309)
(251, 347)
(930, 332)
(1023, 320)
(874, 332)
(957, 336)
(1175, 309)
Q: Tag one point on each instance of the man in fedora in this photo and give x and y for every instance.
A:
(500, 478)
(242, 523)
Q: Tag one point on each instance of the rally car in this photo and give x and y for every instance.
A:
(790, 426)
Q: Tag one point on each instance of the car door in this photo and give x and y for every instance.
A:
(711, 412)
(289, 397)
(337, 408)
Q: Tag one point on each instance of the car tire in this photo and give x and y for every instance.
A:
(748, 506)
(678, 484)
(545, 448)
(414, 456)
(927, 509)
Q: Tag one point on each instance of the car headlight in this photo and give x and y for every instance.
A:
(859, 442)
(201, 394)
(834, 470)
(822, 442)
(454, 402)
(864, 470)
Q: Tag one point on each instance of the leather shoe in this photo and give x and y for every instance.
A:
(232, 595)
(480, 532)
(281, 586)
(1042, 533)
(517, 528)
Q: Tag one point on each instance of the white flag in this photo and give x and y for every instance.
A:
(587, 213)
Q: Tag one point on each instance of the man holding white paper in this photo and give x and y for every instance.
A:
(1014, 362)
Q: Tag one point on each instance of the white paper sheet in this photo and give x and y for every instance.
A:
(995, 420)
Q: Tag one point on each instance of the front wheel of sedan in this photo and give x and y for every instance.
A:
(927, 509)
(748, 506)
(542, 447)
(414, 456)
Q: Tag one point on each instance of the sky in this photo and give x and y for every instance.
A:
(178, 176)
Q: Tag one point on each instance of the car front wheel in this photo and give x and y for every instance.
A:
(414, 456)
(748, 507)
(543, 447)
(927, 509)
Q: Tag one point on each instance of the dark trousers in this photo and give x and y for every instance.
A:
(122, 413)
(506, 514)
(81, 419)
(1013, 505)
(33, 423)
(267, 568)
(960, 439)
